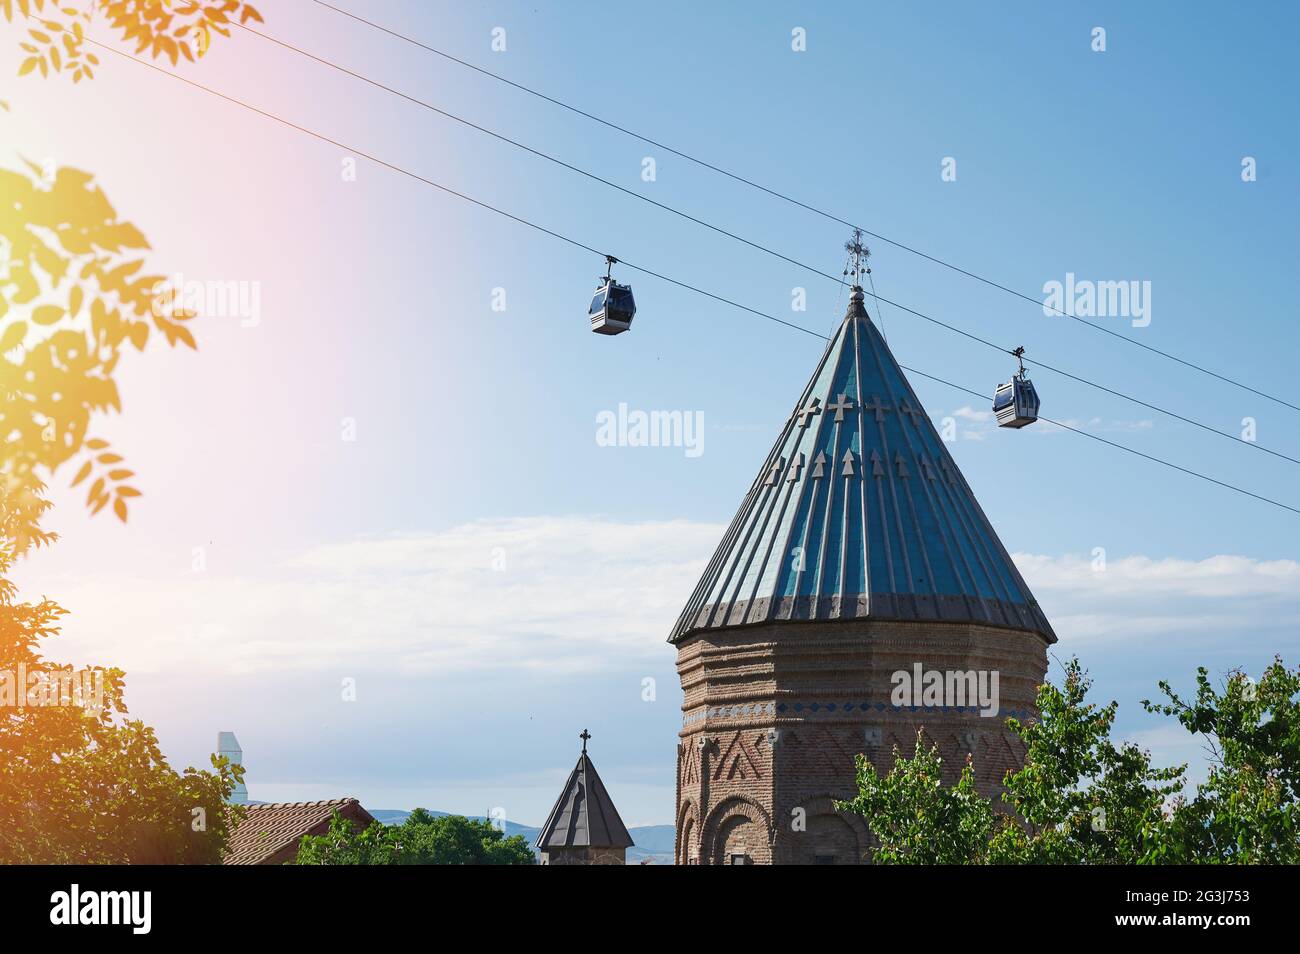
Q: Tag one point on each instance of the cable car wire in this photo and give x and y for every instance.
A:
(647, 271)
(538, 153)
(1116, 445)
(754, 245)
(805, 206)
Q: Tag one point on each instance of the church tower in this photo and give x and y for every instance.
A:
(858, 553)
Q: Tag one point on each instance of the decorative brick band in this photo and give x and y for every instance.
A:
(772, 708)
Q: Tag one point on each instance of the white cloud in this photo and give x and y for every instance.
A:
(968, 413)
(1093, 424)
(574, 593)
(571, 593)
(430, 628)
(1138, 597)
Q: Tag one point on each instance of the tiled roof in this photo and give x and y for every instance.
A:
(860, 511)
(584, 816)
(269, 833)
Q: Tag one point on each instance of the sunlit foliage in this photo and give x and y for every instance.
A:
(84, 783)
(57, 30)
(80, 781)
(74, 294)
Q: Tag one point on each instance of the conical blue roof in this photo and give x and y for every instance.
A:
(860, 511)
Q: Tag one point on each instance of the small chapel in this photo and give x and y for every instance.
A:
(858, 552)
(584, 827)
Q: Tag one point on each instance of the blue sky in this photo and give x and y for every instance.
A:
(371, 559)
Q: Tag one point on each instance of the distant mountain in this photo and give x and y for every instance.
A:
(654, 843)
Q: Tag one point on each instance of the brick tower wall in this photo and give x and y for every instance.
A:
(774, 715)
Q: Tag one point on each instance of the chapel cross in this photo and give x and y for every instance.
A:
(585, 736)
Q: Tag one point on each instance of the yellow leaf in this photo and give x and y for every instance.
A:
(29, 64)
(96, 444)
(139, 334)
(13, 336)
(119, 508)
(47, 314)
(110, 458)
(81, 474)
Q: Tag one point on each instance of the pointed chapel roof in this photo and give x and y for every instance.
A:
(860, 511)
(584, 816)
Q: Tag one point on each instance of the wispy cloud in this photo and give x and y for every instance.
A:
(1144, 598)
(1094, 424)
(562, 593)
(968, 413)
(509, 618)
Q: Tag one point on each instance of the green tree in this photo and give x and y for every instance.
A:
(918, 820)
(423, 839)
(1082, 799)
(80, 782)
(347, 844)
(1247, 809)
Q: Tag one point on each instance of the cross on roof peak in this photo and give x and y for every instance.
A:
(584, 736)
(858, 255)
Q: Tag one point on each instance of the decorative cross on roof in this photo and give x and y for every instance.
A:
(912, 411)
(585, 736)
(805, 414)
(845, 404)
(878, 406)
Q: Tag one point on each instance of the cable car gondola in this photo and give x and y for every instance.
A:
(1016, 402)
(612, 307)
